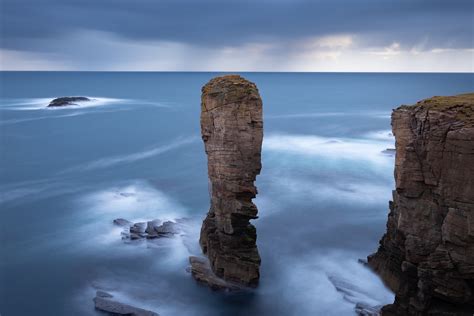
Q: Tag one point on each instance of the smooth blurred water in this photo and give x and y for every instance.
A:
(323, 191)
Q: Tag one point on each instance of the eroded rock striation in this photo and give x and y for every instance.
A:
(427, 253)
(232, 131)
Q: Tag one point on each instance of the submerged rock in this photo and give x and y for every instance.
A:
(122, 222)
(232, 131)
(389, 152)
(105, 302)
(64, 101)
(362, 309)
(427, 254)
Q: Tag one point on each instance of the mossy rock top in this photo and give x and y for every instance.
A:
(229, 83)
(462, 106)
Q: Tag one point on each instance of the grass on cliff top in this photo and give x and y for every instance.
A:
(462, 105)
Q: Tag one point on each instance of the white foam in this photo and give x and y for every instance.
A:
(305, 115)
(42, 103)
(385, 135)
(309, 115)
(135, 202)
(334, 148)
(308, 276)
(361, 192)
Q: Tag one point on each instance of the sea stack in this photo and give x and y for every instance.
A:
(232, 131)
(427, 253)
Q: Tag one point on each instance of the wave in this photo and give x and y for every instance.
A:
(382, 115)
(361, 193)
(36, 189)
(385, 135)
(334, 148)
(117, 160)
(71, 114)
(311, 276)
(136, 201)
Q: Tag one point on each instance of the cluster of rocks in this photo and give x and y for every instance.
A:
(232, 131)
(105, 302)
(427, 254)
(136, 231)
(64, 101)
(148, 230)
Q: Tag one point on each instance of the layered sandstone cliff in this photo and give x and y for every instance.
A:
(427, 253)
(232, 131)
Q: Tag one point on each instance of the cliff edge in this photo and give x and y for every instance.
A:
(232, 131)
(427, 254)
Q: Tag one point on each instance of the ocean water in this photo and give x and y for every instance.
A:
(135, 152)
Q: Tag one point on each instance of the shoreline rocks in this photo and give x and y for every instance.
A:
(232, 132)
(427, 254)
(65, 101)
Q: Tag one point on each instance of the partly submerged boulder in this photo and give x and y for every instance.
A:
(64, 101)
(105, 302)
(122, 222)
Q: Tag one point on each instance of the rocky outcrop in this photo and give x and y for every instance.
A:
(105, 302)
(232, 131)
(64, 101)
(149, 230)
(427, 254)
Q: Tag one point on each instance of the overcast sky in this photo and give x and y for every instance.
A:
(220, 35)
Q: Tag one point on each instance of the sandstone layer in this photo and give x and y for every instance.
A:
(232, 131)
(427, 253)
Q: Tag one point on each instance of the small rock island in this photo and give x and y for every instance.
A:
(65, 101)
(232, 131)
(427, 254)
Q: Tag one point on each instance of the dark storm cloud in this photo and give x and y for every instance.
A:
(439, 23)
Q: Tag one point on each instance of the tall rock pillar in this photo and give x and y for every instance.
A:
(232, 131)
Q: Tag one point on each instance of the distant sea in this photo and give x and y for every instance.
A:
(135, 152)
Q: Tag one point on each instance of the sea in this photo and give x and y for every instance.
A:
(135, 152)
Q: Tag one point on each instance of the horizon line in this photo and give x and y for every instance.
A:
(252, 71)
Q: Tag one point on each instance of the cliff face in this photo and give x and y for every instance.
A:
(427, 253)
(232, 131)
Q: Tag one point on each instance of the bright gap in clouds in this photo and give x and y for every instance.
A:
(338, 53)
